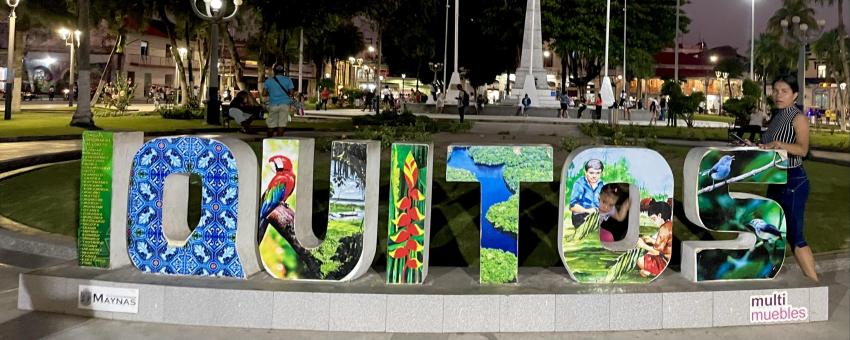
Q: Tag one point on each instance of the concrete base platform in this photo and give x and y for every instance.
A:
(510, 110)
(451, 300)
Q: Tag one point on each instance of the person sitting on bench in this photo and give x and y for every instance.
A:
(241, 110)
(757, 120)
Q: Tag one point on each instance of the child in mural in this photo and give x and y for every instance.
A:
(660, 247)
(584, 199)
(613, 210)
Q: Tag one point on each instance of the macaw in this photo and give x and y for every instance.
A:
(720, 170)
(278, 191)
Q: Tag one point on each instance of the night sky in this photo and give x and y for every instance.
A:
(727, 22)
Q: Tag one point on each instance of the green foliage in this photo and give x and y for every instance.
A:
(459, 175)
(745, 106)
(106, 112)
(569, 144)
(123, 94)
(180, 112)
(498, 266)
(680, 104)
(577, 31)
(522, 163)
(505, 215)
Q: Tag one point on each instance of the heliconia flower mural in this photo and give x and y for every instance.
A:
(410, 182)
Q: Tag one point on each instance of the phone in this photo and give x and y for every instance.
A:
(744, 141)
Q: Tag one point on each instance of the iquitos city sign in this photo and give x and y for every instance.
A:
(615, 209)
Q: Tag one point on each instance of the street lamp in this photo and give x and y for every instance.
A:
(752, 37)
(214, 12)
(722, 76)
(713, 58)
(10, 59)
(403, 77)
(72, 41)
(804, 37)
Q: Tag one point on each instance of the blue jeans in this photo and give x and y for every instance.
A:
(792, 196)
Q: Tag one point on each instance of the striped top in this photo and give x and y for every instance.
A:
(781, 128)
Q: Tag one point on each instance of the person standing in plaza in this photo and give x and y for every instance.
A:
(789, 130)
(326, 95)
(565, 105)
(597, 110)
(462, 101)
(663, 106)
(441, 102)
(278, 89)
(653, 111)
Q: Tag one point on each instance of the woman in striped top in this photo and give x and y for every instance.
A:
(789, 131)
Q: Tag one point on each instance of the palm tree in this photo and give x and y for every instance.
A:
(83, 115)
(772, 58)
(790, 9)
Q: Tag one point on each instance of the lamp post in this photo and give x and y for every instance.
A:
(713, 60)
(435, 67)
(801, 31)
(722, 76)
(10, 59)
(73, 41)
(752, 37)
(403, 77)
(214, 12)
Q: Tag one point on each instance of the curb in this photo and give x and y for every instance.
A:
(147, 134)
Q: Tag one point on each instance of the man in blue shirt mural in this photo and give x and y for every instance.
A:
(584, 199)
(279, 90)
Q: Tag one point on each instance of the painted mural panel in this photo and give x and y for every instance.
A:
(210, 249)
(499, 170)
(288, 248)
(759, 250)
(616, 215)
(409, 213)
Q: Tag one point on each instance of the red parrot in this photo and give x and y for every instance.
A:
(278, 191)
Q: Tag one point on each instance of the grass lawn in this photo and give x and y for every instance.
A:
(48, 199)
(56, 123)
(818, 139)
(714, 118)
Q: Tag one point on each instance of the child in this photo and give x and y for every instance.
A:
(659, 249)
(613, 203)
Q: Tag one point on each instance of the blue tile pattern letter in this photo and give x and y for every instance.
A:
(210, 249)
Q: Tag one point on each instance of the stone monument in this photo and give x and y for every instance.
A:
(530, 75)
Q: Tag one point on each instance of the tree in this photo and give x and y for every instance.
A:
(772, 58)
(680, 104)
(734, 67)
(577, 32)
(790, 9)
(743, 107)
(32, 15)
(83, 115)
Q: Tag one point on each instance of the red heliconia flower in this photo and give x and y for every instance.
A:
(403, 220)
(400, 253)
(412, 230)
(412, 263)
(404, 204)
(411, 245)
(402, 236)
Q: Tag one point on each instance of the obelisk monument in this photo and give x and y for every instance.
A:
(530, 75)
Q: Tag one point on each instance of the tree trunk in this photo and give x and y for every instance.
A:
(171, 30)
(237, 61)
(83, 115)
(190, 72)
(205, 61)
(20, 51)
(563, 74)
(845, 64)
(105, 75)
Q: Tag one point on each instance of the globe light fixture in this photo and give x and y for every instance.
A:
(214, 11)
